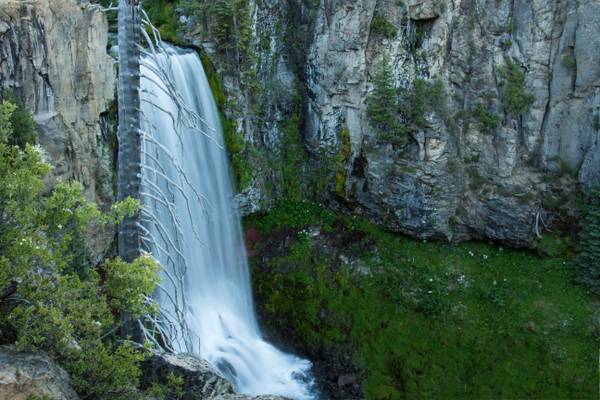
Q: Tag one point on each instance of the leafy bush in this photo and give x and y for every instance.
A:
(293, 157)
(238, 156)
(516, 97)
(381, 26)
(172, 389)
(289, 214)
(341, 158)
(57, 303)
(421, 98)
(230, 23)
(588, 260)
(568, 61)
(23, 126)
(487, 120)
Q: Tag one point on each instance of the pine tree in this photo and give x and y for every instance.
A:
(382, 104)
(589, 246)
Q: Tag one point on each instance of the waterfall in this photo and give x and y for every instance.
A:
(193, 228)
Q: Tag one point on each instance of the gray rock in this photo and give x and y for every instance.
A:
(53, 56)
(455, 181)
(589, 175)
(201, 380)
(26, 374)
(423, 9)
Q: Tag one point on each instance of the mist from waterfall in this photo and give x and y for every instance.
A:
(205, 293)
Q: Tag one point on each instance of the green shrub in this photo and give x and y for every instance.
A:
(381, 26)
(423, 97)
(568, 61)
(61, 304)
(341, 158)
(516, 98)
(163, 16)
(172, 389)
(288, 214)
(396, 113)
(487, 121)
(588, 261)
(230, 24)
(236, 147)
(293, 156)
(553, 246)
(23, 126)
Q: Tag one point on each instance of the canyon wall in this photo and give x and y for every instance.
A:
(294, 80)
(53, 57)
(506, 150)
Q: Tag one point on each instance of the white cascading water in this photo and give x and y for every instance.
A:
(197, 235)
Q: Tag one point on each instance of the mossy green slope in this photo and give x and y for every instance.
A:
(428, 320)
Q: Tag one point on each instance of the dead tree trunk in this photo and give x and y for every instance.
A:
(129, 133)
(129, 168)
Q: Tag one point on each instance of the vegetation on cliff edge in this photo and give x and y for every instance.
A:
(51, 297)
(394, 112)
(588, 260)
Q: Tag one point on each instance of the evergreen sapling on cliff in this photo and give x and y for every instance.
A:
(588, 261)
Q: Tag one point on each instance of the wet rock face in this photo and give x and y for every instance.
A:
(456, 179)
(53, 56)
(24, 374)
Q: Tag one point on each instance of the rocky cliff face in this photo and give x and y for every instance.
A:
(297, 83)
(514, 141)
(53, 56)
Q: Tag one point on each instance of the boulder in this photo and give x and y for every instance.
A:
(200, 379)
(23, 375)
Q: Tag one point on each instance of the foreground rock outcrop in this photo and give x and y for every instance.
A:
(23, 375)
(53, 57)
(474, 168)
(200, 379)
